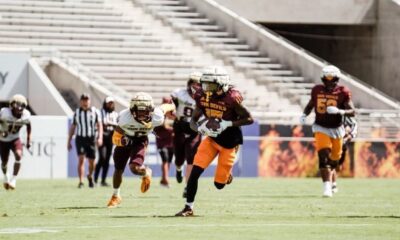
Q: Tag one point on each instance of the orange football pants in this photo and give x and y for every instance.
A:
(335, 144)
(206, 153)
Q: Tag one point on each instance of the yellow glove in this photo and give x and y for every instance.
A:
(119, 139)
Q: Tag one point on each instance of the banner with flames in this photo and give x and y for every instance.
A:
(282, 155)
(377, 159)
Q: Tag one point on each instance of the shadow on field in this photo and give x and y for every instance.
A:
(77, 208)
(277, 196)
(361, 216)
(153, 216)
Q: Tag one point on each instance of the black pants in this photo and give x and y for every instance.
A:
(104, 158)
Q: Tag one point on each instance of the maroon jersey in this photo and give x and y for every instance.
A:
(164, 137)
(222, 107)
(322, 99)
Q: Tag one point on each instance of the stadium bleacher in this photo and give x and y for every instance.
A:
(152, 45)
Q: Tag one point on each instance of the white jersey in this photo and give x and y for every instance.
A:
(186, 104)
(133, 128)
(10, 125)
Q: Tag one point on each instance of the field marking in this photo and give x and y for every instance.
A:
(30, 230)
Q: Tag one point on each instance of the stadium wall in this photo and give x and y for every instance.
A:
(360, 36)
(344, 12)
(287, 53)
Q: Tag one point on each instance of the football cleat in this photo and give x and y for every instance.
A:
(186, 212)
(12, 184)
(146, 181)
(90, 180)
(164, 183)
(327, 192)
(104, 184)
(179, 176)
(5, 182)
(114, 201)
(335, 189)
(80, 185)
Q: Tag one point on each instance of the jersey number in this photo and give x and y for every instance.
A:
(14, 129)
(322, 103)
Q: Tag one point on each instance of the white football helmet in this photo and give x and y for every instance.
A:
(142, 106)
(194, 82)
(330, 72)
(215, 74)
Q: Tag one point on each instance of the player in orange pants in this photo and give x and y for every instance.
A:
(331, 102)
(221, 104)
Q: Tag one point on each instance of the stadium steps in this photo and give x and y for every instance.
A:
(241, 57)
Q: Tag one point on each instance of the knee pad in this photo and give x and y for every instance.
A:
(219, 186)
(323, 157)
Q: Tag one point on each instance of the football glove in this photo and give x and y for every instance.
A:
(203, 130)
(335, 110)
(224, 125)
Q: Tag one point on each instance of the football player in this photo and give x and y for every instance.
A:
(218, 100)
(165, 144)
(12, 119)
(186, 140)
(330, 102)
(130, 138)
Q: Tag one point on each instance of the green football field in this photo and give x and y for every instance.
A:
(247, 209)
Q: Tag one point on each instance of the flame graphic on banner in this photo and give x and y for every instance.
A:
(377, 159)
(286, 159)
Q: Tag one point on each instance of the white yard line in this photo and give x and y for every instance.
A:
(25, 230)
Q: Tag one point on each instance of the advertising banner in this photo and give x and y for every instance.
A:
(47, 157)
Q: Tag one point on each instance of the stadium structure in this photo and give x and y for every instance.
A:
(52, 51)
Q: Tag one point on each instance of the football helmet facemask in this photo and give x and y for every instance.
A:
(214, 79)
(142, 107)
(17, 104)
(193, 84)
(330, 76)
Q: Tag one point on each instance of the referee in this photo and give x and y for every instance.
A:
(86, 120)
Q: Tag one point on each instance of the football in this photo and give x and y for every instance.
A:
(213, 124)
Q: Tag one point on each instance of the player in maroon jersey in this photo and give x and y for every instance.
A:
(330, 102)
(164, 143)
(217, 100)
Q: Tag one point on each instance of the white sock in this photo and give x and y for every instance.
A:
(327, 185)
(190, 204)
(116, 191)
(13, 178)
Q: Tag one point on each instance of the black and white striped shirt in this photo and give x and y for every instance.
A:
(109, 121)
(85, 122)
